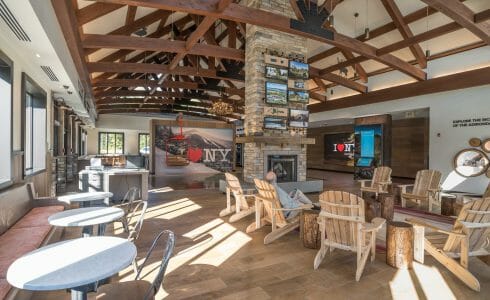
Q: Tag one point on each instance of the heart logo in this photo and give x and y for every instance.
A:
(340, 147)
(194, 154)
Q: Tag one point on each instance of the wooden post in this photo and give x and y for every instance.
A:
(309, 229)
(399, 245)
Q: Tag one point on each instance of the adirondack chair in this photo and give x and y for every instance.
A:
(379, 183)
(426, 188)
(470, 236)
(342, 226)
(242, 207)
(268, 209)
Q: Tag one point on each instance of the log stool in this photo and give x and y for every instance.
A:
(309, 230)
(387, 206)
(399, 245)
(448, 203)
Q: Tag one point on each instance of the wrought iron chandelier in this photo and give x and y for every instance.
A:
(221, 108)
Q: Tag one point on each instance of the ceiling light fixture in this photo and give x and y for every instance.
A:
(141, 32)
(330, 17)
(37, 55)
(427, 50)
(366, 30)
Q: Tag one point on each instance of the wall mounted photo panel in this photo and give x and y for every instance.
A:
(298, 118)
(298, 96)
(275, 123)
(297, 84)
(298, 70)
(276, 93)
(276, 73)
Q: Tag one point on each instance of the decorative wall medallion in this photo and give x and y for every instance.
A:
(471, 162)
(475, 142)
(486, 145)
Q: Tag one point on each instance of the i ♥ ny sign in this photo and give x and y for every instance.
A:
(343, 147)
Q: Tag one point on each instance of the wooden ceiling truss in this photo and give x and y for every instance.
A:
(185, 65)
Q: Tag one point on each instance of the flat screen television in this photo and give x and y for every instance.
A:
(298, 96)
(298, 70)
(276, 73)
(298, 118)
(276, 93)
(275, 123)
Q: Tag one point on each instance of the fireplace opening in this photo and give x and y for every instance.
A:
(285, 167)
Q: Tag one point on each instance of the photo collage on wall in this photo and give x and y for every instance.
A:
(286, 82)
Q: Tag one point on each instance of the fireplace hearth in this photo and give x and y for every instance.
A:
(285, 167)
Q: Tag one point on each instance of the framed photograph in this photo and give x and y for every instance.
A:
(276, 111)
(275, 123)
(298, 118)
(298, 96)
(297, 84)
(276, 93)
(298, 70)
(276, 60)
(276, 73)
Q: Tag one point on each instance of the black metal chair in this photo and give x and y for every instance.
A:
(138, 288)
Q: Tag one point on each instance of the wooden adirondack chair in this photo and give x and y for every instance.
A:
(470, 236)
(342, 226)
(268, 209)
(426, 188)
(380, 182)
(242, 207)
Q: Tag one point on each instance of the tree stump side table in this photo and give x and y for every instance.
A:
(448, 204)
(309, 230)
(399, 245)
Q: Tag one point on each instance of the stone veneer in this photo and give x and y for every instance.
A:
(258, 41)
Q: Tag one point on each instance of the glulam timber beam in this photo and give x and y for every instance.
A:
(404, 30)
(464, 16)
(155, 44)
(358, 87)
(239, 13)
(462, 80)
(95, 11)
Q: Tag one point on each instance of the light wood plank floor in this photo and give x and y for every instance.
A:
(217, 260)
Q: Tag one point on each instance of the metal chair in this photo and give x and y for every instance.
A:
(138, 288)
(127, 205)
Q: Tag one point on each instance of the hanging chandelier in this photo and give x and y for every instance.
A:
(221, 108)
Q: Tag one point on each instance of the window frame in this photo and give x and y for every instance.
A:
(28, 85)
(107, 133)
(10, 63)
(148, 144)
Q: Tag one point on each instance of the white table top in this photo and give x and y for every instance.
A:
(88, 196)
(86, 216)
(71, 263)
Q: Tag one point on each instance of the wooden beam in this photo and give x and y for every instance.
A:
(314, 72)
(239, 13)
(94, 67)
(164, 85)
(95, 11)
(464, 16)
(410, 18)
(65, 13)
(357, 67)
(162, 45)
(404, 30)
(329, 5)
(451, 82)
(320, 84)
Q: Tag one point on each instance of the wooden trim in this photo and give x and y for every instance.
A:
(94, 11)
(339, 80)
(451, 82)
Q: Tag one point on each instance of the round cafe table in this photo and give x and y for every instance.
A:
(87, 199)
(73, 264)
(87, 217)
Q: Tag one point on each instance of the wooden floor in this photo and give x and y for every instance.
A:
(217, 260)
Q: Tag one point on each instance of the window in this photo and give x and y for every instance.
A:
(33, 126)
(144, 143)
(111, 143)
(6, 67)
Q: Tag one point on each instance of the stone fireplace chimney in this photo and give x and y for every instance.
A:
(261, 145)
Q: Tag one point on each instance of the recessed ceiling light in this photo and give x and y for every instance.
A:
(37, 55)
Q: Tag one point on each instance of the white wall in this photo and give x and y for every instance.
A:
(444, 108)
